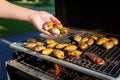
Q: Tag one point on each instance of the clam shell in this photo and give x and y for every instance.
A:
(55, 31)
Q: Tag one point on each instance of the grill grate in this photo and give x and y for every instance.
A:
(110, 68)
(112, 56)
(43, 65)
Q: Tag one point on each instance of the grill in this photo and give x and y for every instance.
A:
(110, 70)
(41, 68)
(85, 19)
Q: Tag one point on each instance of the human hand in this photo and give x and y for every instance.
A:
(39, 18)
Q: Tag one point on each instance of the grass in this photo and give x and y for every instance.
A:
(50, 9)
(10, 27)
(32, 3)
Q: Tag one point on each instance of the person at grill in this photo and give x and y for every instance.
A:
(37, 18)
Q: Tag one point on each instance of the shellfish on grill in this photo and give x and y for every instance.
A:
(115, 40)
(64, 30)
(47, 51)
(83, 45)
(52, 45)
(38, 48)
(50, 41)
(77, 38)
(70, 47)
(102, 40)
(61, 45)
(59, 53)
(30, 45)
(90, 42)
(39, 43)
(94, 37)
(108, 45)
(84, 39)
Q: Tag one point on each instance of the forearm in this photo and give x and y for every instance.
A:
(11, 11)
(37, 18)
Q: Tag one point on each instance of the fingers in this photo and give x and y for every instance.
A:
(54, 19)
(38, 20)
(47, 17)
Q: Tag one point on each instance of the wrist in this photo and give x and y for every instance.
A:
(32, 15)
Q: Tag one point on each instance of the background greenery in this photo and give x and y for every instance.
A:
(10, 27)
(30, 3)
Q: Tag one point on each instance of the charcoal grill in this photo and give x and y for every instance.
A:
(108, 71)
(33, 68)
(86, 19)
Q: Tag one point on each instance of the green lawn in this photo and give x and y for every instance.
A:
(10, 27)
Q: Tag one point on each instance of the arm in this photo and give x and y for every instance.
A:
(37, 18)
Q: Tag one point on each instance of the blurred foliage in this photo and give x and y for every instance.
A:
(10, 27)
(33, 3)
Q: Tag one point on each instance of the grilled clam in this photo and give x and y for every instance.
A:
(94, 37)
(61, 45)
(115, 40)
(39, 43)
(77, 38)
(30, 45)
(38, 48)
(70, 47)
(74, 53)
(59, 54)
(50, 41)
(102, 40)
(47, 51)
(48, 25)
(58, 26)
(90, 42)
(84, 39)
(55, 28)
(54, 31)
(83, 45)
(108, 45)
(64, 30)
(52, 45)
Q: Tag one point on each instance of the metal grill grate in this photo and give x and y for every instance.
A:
(110, 68)
(43, 65)
(112, 56)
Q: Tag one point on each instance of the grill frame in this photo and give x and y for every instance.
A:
(82, 69)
